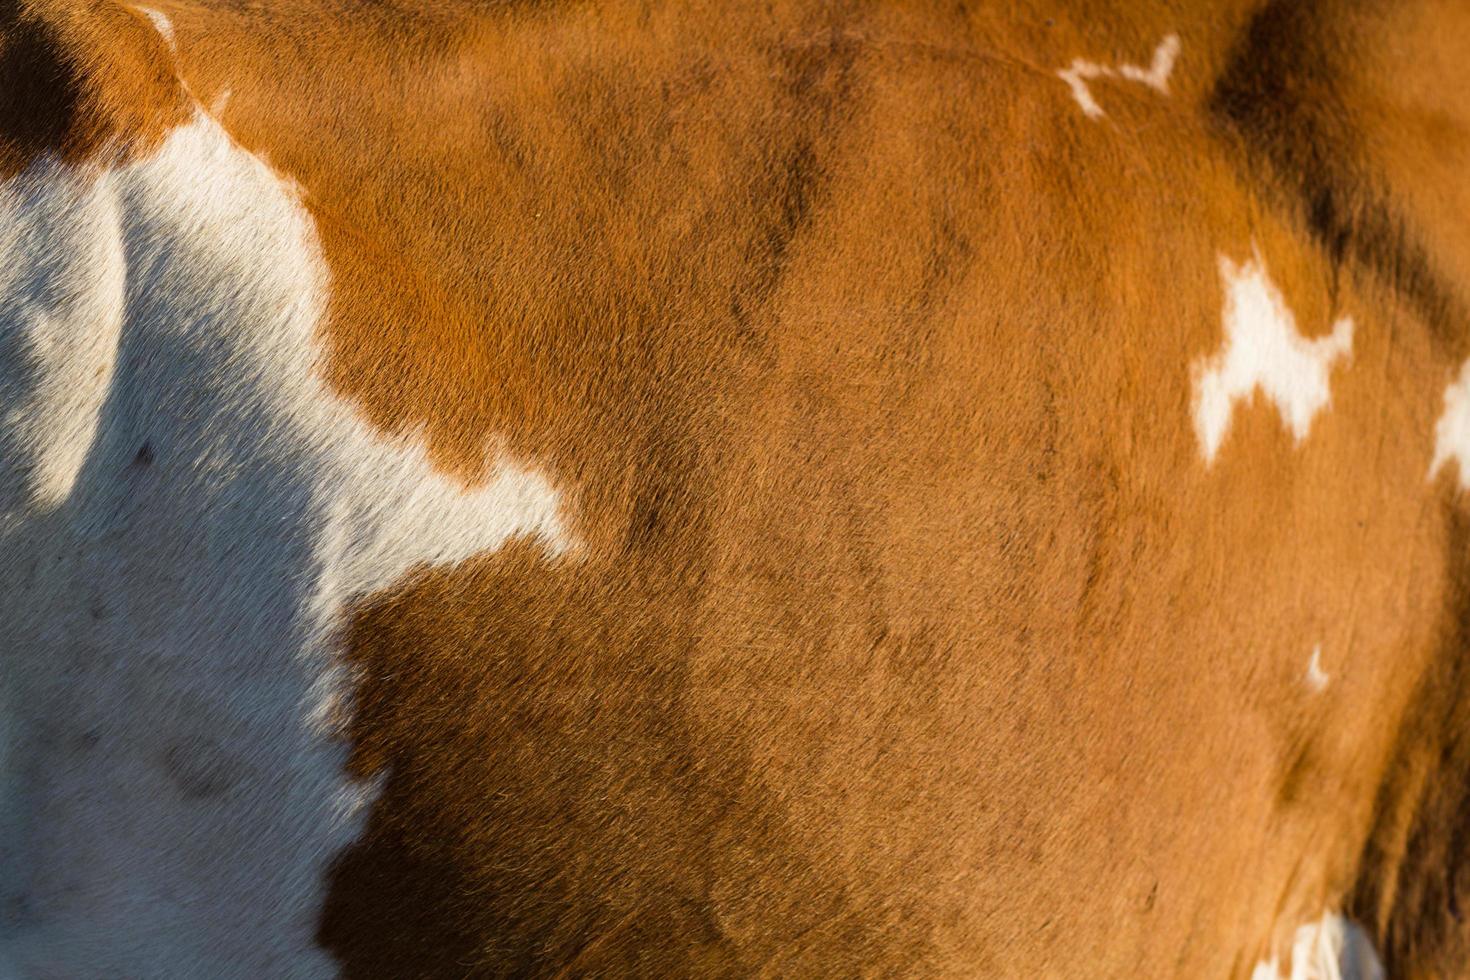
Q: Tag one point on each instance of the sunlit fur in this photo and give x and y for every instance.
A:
(662, 489)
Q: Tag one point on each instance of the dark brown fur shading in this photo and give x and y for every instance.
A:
(907, 633)
(1414, 878)
(86, 80)
(1283, 95)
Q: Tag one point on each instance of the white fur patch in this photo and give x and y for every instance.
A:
(1155, 76)
(1263, 351)
(1332, 949)
(185, 512)
(1316, 677)
(160, 22)
(1452, 431)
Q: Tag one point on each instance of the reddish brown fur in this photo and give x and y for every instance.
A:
(910, 635)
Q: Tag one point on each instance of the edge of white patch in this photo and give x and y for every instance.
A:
(187, 511)
(1317, 678)
(161, 23)
(1452, 430)
(1263, 351)
(1334, 948)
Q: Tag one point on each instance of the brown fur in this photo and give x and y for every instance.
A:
(84, 80)
(909, 636)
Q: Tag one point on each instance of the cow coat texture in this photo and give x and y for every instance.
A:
(797, 488)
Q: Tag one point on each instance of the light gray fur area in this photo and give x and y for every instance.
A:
(1359, 959)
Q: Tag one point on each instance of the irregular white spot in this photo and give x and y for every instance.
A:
(220, 101)
(1155, 76)
(1263, 351)
(1076, 76)
(1316, 677)
(1332, 949)
(161, 23)
(186, 513)
(1452, 431)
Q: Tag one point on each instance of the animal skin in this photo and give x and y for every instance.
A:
(810, 488)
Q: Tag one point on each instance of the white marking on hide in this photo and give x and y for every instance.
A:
(1263, 351)
(1333, 949)
(60, 332)
(1316, 677)
(1076, 76)
(161, 23)
(1155, 76)
(1452, 431)
(186, 512)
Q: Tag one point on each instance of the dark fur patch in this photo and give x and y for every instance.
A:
(1414, 873)
(81, 80)
(1280, 97)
